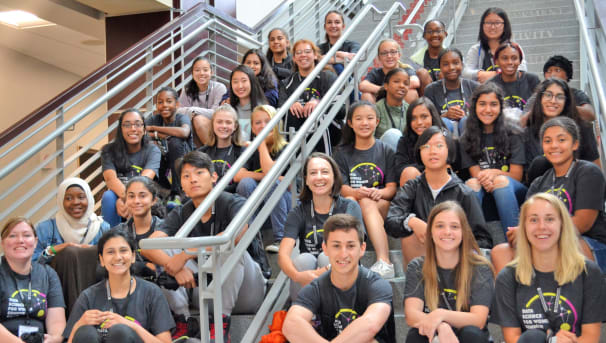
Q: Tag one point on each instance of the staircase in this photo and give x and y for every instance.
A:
(542, 28)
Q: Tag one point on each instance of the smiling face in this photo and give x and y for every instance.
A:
(488, 109)
(139, 199)
(421, 119)
(201, 73)
(543, 225)
(167, 105)
(434, 34)
(451, 66)
(19, 243)
(259, 120)
(559, 146)
(75, 202)
(305, 57)
(555, 71)
(434, 153)
(493, 26)
(334, 26)
(240, 85)
(131, 133)
(508, 60)
(389, 55)
(397, 87)
(343, 249)
(320, 176)
(224, 126)
(553, 107)
(447, 232)
(278, 42)
(253, 62)
(363, 122)
(117, 256)
(197, 182)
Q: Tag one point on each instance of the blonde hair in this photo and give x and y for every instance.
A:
(389, 40)
(570, 263)
(278, 140)
(236, 137)
(469, 256)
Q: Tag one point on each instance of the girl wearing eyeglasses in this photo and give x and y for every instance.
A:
(129, 155)
(555, 99)
(495, 28)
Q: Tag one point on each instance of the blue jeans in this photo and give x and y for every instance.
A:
(506, 199)
(460, 125)
(599, 252)
(278, 215)
(391, 138)
(108, 208)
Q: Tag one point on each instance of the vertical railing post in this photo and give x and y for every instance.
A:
(59, 145)
(291, 135)
(291, 22)
(318, 17)
(149, 80)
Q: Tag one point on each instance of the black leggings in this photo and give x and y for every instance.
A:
(465, 334)
(117, 333)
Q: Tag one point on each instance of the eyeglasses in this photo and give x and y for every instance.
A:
(559, 98)
(431, 32)
(428, 146)
(301, 52)
(494, 23)
(128, 125)
(390, 52)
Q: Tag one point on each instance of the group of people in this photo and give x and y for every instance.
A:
(434, 149)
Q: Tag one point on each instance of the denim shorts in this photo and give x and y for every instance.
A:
(599, 252)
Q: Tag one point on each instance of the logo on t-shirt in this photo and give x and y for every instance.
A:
(221, 166)
(366, 174)
(514, 101)
(456, 102)
(533, 315)
(343, 318)
(37, 306)
(313, 244)
(492, 158)
(563, 195)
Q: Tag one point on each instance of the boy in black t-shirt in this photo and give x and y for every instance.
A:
(349, 301)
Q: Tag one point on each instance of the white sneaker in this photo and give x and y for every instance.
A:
(274, 247)
(384, 269)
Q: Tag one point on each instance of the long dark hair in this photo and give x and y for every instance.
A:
(306, 193)
(116, 151)
(537, 116)
(503, 129)
(410, 136)
(257, 96)
(191, 88)
(270, 54)
(506, 26)
(266, 77)
(348, 137)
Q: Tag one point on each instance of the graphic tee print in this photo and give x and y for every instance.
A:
(373, 167)
(366, 174)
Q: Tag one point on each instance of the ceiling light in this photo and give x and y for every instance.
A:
(22, 20)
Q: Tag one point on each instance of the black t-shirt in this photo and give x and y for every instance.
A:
(492, 158)
(179, 120)
(283, 70)
(146, 306)
(223, 159)
(45, 293)
(226, 207)
(254, 162)
(129, 228)
(460, 96)
(147, 157)
(584, 188)
(347, 46)
(580, 97)
(377, 76)
(519, 306)
(315, 90)
(518, 92)
(366, 168)
(481, 292)
(588, 145)
(300, 223)
(338, 308)
(432, 65)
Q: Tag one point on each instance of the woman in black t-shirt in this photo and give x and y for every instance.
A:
(493, 152)
(121, 308)
(278, 53)
(334, 24)
(448, 292)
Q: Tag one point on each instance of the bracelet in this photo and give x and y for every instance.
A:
(52, 249)
(156, 135)
(410, 216)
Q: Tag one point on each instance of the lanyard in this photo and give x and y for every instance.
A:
(109, 298)
(443, 294)
(86, 232)
(27, 304)
(212, 219)
(553, 180)
(313, 221)
(393, 124)
(231, 147)
(461, 91)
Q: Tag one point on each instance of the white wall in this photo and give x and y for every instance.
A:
(251, 12)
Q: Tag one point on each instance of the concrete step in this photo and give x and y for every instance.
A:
(471, 25)
(479, 6)
(370, 257)
(525, 15)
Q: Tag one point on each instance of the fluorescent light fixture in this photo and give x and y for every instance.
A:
(22, 20)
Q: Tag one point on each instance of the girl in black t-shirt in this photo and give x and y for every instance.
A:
(554, 99)
(278, 53)
(117, 320)
(448, 292)
(371, 181)
(421, 115)
(434, 33)
(225, 144)
(493, 152)
(255, 60)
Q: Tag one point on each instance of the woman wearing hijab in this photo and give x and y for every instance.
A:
(67, 241)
